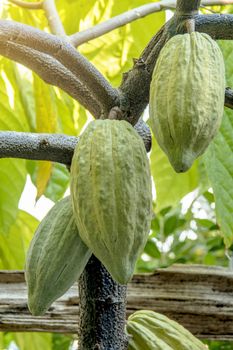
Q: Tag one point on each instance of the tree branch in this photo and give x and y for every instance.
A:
(102, 309)
(130, 16)
(53, 18)
(184, 7)
(65, 53)
(229, 98)
(52, 72)
(54, 147)
(219, 26)
(28, 5)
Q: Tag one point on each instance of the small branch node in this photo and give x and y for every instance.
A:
(116, 113)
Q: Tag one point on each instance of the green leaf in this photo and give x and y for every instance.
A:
(13, 247)
(58, 182)
(170, 186)
(61, 342)
(219, 165)
(35, 341)
(12, 181)
(152, 249)
(172, 223)
(33, 18)
(219, 159)
(12, 116)
(206, 223)
(46, 121)
(12, 171)
(155, 225)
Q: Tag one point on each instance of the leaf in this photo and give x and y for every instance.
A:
(172, 223)
(219, 159)
(58, 182)
(12, 171)
(61, 342)
(152, 250)
(13, 247)
(155, 225)
(12, 181)
(219, 165)
(170, 186)
(72, 12)
(35, 341)
(44, 173)
(46, 120)
(12, 116)
(33, 18)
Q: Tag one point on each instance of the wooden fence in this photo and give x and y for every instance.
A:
(198, 297)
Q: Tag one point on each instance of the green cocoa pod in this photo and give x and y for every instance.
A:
(187, 97)
(149, 330)
(111, 194)
(55, 259)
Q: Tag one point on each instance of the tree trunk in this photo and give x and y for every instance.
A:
(102, 310)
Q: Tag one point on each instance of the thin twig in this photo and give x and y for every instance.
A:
(28, 5)
(119, 21)
(53, 18)
(66, 54)
(130, 16)
(52, 72)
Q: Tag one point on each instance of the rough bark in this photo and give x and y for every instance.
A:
(53, 147)
(102, 310)
(229, 98)
(184, 7)
(218, 26)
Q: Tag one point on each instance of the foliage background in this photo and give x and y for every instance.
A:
(197, 229)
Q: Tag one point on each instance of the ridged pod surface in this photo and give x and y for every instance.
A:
(187, 97)
(149, 330)
(55, 259)
(111, 194)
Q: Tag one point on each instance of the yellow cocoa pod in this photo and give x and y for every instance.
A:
(187, 97)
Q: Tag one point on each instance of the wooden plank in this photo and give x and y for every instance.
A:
(199, 297)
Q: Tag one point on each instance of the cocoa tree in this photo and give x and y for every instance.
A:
(55, 59)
